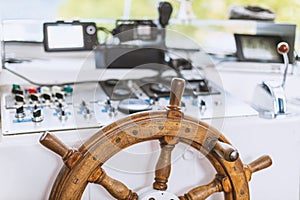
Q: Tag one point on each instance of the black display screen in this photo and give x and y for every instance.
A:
(261, 48)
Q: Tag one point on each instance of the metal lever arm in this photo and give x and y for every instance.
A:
(283, 49)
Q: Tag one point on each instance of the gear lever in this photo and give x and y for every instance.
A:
(283, 49)
(269, 96)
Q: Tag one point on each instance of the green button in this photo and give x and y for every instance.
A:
(68, 89)
(16, 86)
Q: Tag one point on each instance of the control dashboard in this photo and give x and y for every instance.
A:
(30, 109)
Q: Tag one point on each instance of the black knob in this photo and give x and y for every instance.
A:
(19, 98)
(60, 106)
(34, 97)
(62, 115)
(59, 95)
(20, 112)
(108, 101)
(202, 106)
(155, 97)
(37, 113)
(83, 104)
(87, 111)
(202, 103)
(46, 97)
(203, 86)
(17, 91)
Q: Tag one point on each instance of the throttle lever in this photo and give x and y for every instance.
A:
(283, 49)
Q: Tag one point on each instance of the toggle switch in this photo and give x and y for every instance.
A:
(37, 115)
(202, 106)
(62, 115)
(20, 114)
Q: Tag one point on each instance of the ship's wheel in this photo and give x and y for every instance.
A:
(171, 126)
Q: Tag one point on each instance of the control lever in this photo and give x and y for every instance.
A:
(283, 49)
(164, 10)
(269, 96)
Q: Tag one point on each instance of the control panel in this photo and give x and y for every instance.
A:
(29, 109)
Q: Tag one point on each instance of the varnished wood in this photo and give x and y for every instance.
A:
(117, 189)
(217, 185)
(177, 89)
(226, 151)
(257, 165)
(69, 156)
(163, 166)
(170, 127)
(54, 144)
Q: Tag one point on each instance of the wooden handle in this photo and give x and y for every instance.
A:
(257, 165)
(202, 192)
(177, 89)
(163, 166)
(117, 189)
(226, 151)
(54, 144)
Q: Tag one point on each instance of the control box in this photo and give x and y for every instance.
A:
(29, 109)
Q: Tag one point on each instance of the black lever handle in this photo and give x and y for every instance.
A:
(165, 10)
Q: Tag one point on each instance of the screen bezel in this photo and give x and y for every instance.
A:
(89, 41)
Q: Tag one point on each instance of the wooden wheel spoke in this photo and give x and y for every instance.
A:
(219, 184)
(257, 165)
(163, 165)
(116, 188)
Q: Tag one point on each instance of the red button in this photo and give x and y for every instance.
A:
(32, 90)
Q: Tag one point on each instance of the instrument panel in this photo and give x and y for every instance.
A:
(30, 109)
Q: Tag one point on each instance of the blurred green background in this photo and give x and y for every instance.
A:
(212, 26)
(286, 11)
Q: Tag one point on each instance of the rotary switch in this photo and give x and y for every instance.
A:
(202, 106)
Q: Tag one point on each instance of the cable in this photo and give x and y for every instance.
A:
(106, 31)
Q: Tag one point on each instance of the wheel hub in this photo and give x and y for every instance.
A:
(157, 195)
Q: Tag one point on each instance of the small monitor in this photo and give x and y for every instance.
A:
(260, 48)
(267, 36)
(74, 36)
